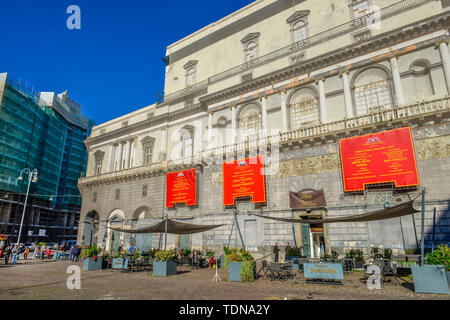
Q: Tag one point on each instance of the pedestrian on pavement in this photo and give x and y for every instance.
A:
(7, 254)
(286, 250)
(276, 251)
(15, 254)
(49, 253)
(76, 253)
(25, 254)
(71, 251)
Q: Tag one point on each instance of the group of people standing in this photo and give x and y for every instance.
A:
(14, 252)
(276, 250)
(74, 253)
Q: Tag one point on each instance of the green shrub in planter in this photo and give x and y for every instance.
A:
(241, 265)
(164, 264)
(440, 256)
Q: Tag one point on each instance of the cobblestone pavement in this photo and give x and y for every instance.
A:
(47, 281)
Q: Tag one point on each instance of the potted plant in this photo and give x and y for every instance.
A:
(241, 266)
(164, 264)
(91, 259)
(119, 261)
(293, 253)
(357, 256)
(434, 276)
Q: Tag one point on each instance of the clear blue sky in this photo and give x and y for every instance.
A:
(113, 65)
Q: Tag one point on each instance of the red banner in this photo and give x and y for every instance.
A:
(244, 178)
(181, 187)
(383, 157)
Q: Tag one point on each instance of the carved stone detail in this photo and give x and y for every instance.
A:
(307, 166)
(217, 178)
(433, 148)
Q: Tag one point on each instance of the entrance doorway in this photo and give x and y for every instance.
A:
(311, 237)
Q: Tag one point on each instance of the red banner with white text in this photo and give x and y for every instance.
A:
(383, 157)
(181, 187)
(244, 178)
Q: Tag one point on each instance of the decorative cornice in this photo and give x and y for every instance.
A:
(305, 67)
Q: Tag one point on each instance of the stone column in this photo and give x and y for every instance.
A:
(264, 115)
(397, 81)
(163, 153)
(120, 155)
(112, 155)
(284, 112)
(347, 94)
(233, 124)
(445, 57)
(322, 102)
(210, 122)
(127, 160)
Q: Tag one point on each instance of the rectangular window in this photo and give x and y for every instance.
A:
(187, 147)
(94, 197)
(117, 194)
(98, 167)
(148, 155)
(360, 11)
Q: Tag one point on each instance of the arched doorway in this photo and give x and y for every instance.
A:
(115, 238)
(143, 242)
(91, 228)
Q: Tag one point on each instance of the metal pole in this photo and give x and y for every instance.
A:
(165, 233)
(293, 229)
(237, 227)
(422, 262)
(24, 207)
(231, 233)
(434, 227)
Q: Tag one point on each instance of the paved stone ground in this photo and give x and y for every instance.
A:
(47, 281)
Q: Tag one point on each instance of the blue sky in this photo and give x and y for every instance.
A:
(113, 65)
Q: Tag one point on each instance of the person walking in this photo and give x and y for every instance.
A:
(7, 254)
(276, 251)
(71, 251)
(76, 253)
(15, 254)
(25, 254)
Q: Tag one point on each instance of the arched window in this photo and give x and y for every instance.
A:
(423, 84)
(299, 31)
(249, 121)
(304, 108)
(372, 91)
(250, 52)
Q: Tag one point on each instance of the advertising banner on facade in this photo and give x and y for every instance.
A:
(307, 199)
(42, 232)
(181, 187)
(382, 157)
(244, 178)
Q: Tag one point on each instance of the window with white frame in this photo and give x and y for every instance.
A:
(360, 9)
(98, 155)
(299, 31)
(147, 146)
(299, 28)
(250, 52)
(249, 122)
(191, 73)
(187, 141)
(98, 167)
(148, 155)
(304, 108)
(372, 91)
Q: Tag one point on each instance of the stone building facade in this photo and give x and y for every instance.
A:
(286, 79)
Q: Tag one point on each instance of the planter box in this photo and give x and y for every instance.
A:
(119, 263)
(164, 268)
(234, 271)
(431, 279)
(90, 265)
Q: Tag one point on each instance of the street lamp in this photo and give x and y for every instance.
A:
(32, 177)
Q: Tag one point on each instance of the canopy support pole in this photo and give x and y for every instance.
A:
(231, 233)
(422, 262)
(237, 227)
(293, 229)
(165, 233)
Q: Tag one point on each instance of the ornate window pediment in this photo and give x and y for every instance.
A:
(147, 147)
(190, 64)
(297, 16)
(250, 37)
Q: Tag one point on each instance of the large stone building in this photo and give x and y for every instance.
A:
(286, 79)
